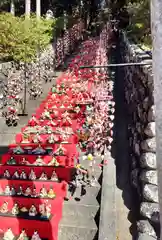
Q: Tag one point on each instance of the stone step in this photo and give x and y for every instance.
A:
(78, 222)
(86, 162)
(77, 215)
(96, 167)
(89, 196)
(76, 233)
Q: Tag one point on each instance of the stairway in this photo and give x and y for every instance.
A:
(80, 218)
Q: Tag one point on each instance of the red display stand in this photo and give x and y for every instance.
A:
(25, 157)
(63, 173)
(46, 229)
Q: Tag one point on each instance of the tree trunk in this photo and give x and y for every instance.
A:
(12, 7)
(38, 8)
(27, 8)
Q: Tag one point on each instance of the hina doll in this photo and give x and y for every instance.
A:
(43, 192)
(53, 162)
(60, 151)
(20, 191)
(4, 208)
(65, 114)
(66, 99)
(77, 109)
(89, 109)
(18, 150)
(8, 235)
(54, 89)
(55, 113)
(16, 175)
(62, 86)
(6, 174)
(62, 106)
(46, 115)
(111, 117)
(54, 107)
(43, 176)
(39, 161)
(15, 210)
(23, 175)
(54, 176)
(33, 122)
(51, 193)
(51, 139)
(42, 210)
(70, 107)
(58, 130)
(32, 175)
(23, 235)
(37, 139)
(67, 121)
(25, 138)
(53, 96)
(7, 190)
(32, 211)
(34, 192)
(48, 209)
(80, 98)
(91, 170)
(35, 236)
(24, 161)
(38, 151)
(69, 130)
(64, 138)
(28, 192)
(89, 120)
(90, 147)
(56, 138)
(11, 161)
(48, 130)
(13, 191)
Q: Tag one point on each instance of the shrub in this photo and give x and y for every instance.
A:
(21, 38)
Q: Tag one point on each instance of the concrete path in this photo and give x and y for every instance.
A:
(125, 207)
(7, 134)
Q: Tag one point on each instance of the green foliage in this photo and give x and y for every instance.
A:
(60, 24)
(139, 28)
(20, 38)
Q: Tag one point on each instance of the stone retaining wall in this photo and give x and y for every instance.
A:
(141, 128)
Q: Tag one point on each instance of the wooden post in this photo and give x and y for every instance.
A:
(156, 27)
(38, 8)
(12, 7)
(27, 8)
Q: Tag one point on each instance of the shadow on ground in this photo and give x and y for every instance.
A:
(120, 147)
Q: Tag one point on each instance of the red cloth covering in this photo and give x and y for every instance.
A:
(70, 139)
(59, 188)
(47, 229)
(56, 204)
(62, 173)
(62, 160)
(70, 149)
(71, 80)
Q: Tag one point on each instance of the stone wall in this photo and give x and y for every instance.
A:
(141, 128)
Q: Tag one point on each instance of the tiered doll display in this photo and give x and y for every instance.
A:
(35, 171)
